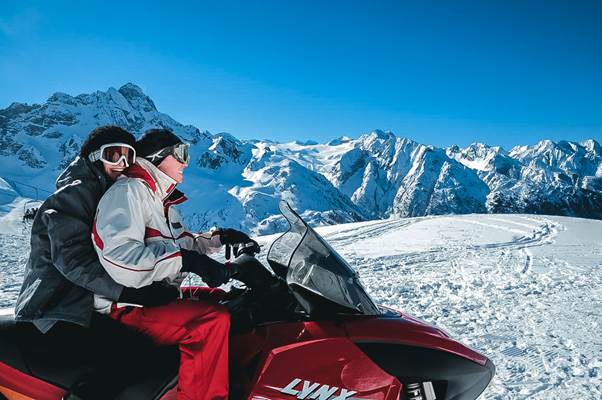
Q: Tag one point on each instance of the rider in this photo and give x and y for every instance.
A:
(140, 239)
(63, 272)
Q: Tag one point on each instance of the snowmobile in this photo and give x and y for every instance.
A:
(307, 329)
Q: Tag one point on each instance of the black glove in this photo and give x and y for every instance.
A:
(156, 294)
(231, 236)
(212, 272)
(241, 242)
(251, 272)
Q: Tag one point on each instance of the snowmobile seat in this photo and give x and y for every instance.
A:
(106, 359)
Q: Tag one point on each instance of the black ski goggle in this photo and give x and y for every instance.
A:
(179, 152)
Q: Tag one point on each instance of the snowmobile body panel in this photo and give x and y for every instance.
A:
(16, 385)
(39, 366)
(249, 351)
(387, 351)
(410, 332)
(324, 369)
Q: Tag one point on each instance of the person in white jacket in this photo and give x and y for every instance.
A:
(140, 239)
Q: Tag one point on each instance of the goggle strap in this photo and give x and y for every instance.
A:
(95, 155)
(171, 150)
(156, 155)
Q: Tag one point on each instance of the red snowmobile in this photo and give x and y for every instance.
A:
(307, 331)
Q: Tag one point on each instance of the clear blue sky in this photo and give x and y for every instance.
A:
(440, 72)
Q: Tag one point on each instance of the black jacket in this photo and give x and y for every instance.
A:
(63, 271)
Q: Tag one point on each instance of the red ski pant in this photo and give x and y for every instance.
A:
(200, 329)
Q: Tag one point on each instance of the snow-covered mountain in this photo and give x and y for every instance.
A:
(563, 178)
(239, 183)
(251, 177)
(38, 141)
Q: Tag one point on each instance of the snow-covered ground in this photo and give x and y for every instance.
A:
(525, 290)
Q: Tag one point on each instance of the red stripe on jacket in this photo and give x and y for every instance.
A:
(176, 254)
(136, 171)
(97, 240)
(124, 267)
(152, 232)
(99, 243)
(168, 203)
(179, 200)
(185, 233)
(173, 255)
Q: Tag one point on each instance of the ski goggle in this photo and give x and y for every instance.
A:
(114, 154)
(178, 151)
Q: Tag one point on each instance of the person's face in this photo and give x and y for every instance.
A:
(173, 168)
(113, 171)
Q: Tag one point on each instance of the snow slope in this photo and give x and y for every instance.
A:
(525, 290)
(11, 216)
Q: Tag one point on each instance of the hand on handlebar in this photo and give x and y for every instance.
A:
(236, 241)
(250, 271)
(213, 272)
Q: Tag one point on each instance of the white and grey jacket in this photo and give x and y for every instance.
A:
(138, 234)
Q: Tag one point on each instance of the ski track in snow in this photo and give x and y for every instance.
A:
(500, 284)
(537, 318)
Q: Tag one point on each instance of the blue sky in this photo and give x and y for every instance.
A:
(440, 72)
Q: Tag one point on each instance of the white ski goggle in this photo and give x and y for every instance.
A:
(179, 152)
(114, 154)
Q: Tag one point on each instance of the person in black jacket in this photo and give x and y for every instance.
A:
(63, 272)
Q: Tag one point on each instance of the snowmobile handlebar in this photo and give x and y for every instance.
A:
(236, 241)
(250, 248)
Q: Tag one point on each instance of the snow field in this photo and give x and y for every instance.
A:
(524, 290)
(14, 250)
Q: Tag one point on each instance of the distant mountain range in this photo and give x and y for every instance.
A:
(238, 183)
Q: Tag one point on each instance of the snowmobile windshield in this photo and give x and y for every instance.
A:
(318, 276)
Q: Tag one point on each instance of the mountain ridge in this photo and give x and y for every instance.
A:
(378, 175)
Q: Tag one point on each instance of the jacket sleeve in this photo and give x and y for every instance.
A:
(119, 237)
(68, 219)
(204, 243)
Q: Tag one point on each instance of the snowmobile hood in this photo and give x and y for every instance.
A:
(321, 280)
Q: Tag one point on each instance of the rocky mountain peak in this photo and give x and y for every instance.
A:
(136, 97)
(381, 142)
(478, 149)
(14, 110)
(17, 107)
(339, 141)
(453, 149)
(62, 98)
(592, 146)
(545, 144)
(382, 135)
